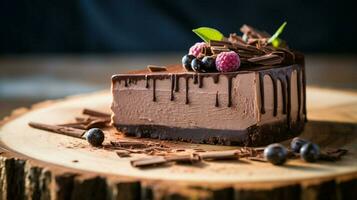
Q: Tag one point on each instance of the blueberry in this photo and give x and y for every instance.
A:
(276, 154)
(197, 65)
(94, 136)
(296, 144)
(310, 152)
(186, 61)
(209, 63)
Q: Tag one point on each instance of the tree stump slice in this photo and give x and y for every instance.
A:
(36, 164)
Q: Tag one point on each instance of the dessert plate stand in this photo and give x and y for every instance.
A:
(40, 165)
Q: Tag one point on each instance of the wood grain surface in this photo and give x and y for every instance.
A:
(39, 165)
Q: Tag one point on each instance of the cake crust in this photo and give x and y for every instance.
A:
(252, 136)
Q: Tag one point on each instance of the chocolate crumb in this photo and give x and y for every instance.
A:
(122, 153)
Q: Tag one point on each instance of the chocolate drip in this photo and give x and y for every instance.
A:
(217, 103)
(275, 93)
(147, 81)
(173, 77)
(215, 78)
(284, 77)
(229, 78)
(298, 78)
(304, 89)
(126, 83)
(186, 79)
(177, 83)
(288, 114)
(195, 79)
(262, 96)
(200, 81)
(154, 89)
(283, 88)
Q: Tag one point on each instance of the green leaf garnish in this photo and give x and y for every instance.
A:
(274, 39)
(276, 42)
(208, 34)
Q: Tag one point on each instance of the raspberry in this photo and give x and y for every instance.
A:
(227, 61)
(197, 49)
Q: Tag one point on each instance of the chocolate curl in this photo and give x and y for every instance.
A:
(155, 161)
(269, 59)
(95, 113)
(254, 33)
(333, 154)
(234, 39)
(69, 131)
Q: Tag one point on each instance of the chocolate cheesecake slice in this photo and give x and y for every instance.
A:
(256, 105)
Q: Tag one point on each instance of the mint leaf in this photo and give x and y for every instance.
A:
(208, 34)
(276, 35)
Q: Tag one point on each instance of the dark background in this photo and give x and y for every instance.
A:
(117, 26)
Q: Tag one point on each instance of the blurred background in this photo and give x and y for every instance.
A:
(51, 49)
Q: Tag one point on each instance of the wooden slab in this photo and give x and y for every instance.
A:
(332, 123)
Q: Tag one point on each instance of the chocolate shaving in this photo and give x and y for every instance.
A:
(98, 123)
(218, 43)
(94, 113)
(147, 162)
(123, 153)
(78, 125)
(219, 155)
(129, 144)
(253, 48)
(155, 161)
(234, 38)
(73, 132)
(88, 123)
(333, 154)
(218, 49)
(257, 158)
(153, 68)
(269, 59)
(253, 33)
(185, 158)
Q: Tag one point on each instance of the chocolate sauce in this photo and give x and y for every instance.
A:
(288, 114)
(304, 89)
(147, 81)
(195, 78)
(217, 103)
(153, 89)
(215, 78)
(186, 79)
(298, 78)
(229, 79)
(262, 96)
(173, 77)
(284, 77)
(283, 88)
(200, 81)
(275, 93)
(177, 83)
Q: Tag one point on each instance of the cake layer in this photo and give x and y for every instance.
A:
(226, 106)
(251, 136)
